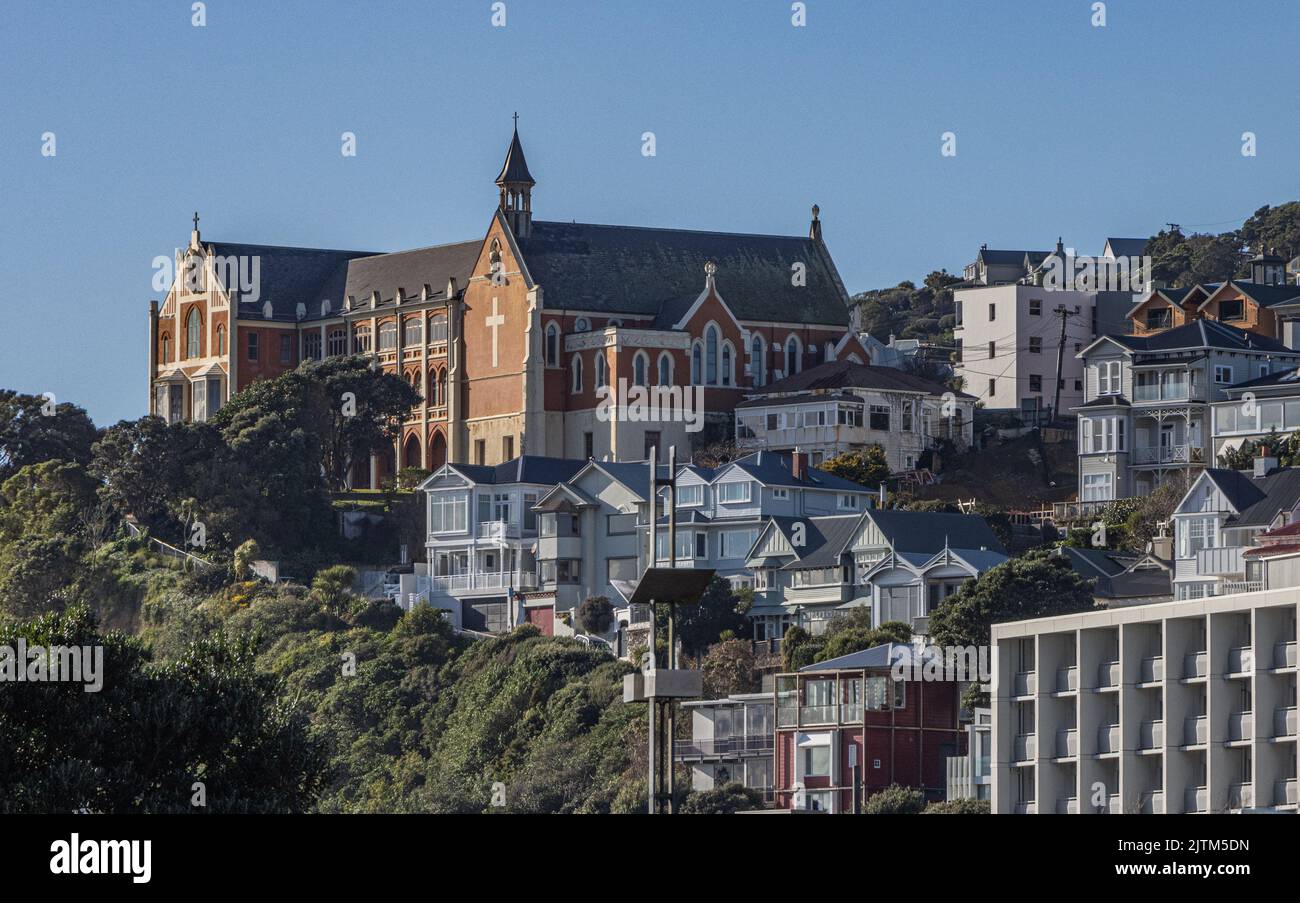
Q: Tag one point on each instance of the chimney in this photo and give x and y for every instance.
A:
(883, 495)
(798, 464)
(1264, 463)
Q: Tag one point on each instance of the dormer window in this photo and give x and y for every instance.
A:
(1231, 310)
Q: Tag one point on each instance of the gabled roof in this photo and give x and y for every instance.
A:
(288, 277)
(410, 271)
(530, 469)
(1263, 295)
(845, 374)
(995, 257)
(636, 270)
(1256, 501)
(930, 531)
(1289, 378)
(877, 657)
(825, 540)
(772, 468)
(1127, 247)
(1201, 334)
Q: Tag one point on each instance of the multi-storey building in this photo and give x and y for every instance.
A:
(970, 777)
(1256, 409)
(1174, 707)
(482, 539)
(521, 340)
(1009, 331)
(901, 564)
(844, 406)
(847, 727)
(1145, 411)
(731, 742)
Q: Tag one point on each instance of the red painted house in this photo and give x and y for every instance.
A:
(847, 726)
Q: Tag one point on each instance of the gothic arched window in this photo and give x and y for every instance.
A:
(192, 326)
(697, 363)
(665, 369)
(756, 362)
(726, 363)
(600, 369)
(711, 356)
(791, 356)
(577, 374)
(639, 365)
(552, 344)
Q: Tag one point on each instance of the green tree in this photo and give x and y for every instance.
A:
(1186, 260)
(30, 435)
(595, 614)
(729, 667)
(869, 467)
(725, 800)
(958, 807)
(331, 589)
(699, 626)
(855, 639)
(895, 800)
(1275, 229)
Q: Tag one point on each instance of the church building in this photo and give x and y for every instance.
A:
(540, 337)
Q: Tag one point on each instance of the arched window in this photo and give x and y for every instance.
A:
(792, 356)
(361, 340)
(665, 369)
(711, 356)
(338, 342)
(388, 336)
(414, 331)
(726, 363)
(639, 365)
(582, 324)
(757, 366)
(440, 388)
(577, 374)
(697, 363)
(192, 326)
(812, 355)
(552, 345)
(221, 340)
(600, 369)
(166, 349)
(830, 352)
(437, 329)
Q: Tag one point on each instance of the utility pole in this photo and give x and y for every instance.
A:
(1062, 312)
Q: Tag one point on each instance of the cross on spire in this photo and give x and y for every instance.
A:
(196, 220)
(516, 119)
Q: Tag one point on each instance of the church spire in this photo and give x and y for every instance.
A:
(516, 186)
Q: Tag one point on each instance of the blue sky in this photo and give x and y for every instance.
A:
(1062, 128)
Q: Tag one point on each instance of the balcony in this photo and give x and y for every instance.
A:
(1233, 587)
(1067, 806)
(817, 714)
(1152, 803)
(1196, 799)
(1168, 454)
(1025, 684)
(1024, 748)
(1241, 726)
(1152, 670)
(1067, 679)
(1216, 562)
(1284, 721)
(499, 530)
(1159, 390)
(1241, 796)
(1241, 660)
(1151, 735)
(1027, 807)
(719, 747)
(1067, 743)
(1195, 664)
(459, 583)
(1196, 730)
(1284, 654)
(1285, 793)
(1108, 675)
(1108, 738)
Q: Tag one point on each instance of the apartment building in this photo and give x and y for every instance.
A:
(970, 776)
(1008, 331)
(1146, 404)
(1176, 707)
(846, 728)
(900, 564)
(842, 406)
(731, 742)
(1255, 409)
(482, 533)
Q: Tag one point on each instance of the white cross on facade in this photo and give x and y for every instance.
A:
(493, 322)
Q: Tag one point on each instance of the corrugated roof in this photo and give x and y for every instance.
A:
(288, 277)
(845, 374)
(930, 531)
(411, 270)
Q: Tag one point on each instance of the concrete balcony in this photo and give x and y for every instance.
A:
(1285, 793)
(1152, 803)
(1234, 587)
(1241, 796)
(1024, 748)
(1152, 669)
(1196, 799)
(1196, 730)
(1108, 738)
(1241, 660)
(1195, 664)
(1024, 684)
(1284, 655)
(1108, 675)
(1151, 735)
(1284, 721)
(1067, 743)
(1241, 726)
(1067, 806)
(1025, 807)
(1067, 679)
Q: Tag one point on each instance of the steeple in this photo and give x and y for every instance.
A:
(516, 185)
(815, 230)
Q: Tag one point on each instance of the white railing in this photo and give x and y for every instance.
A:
(1067, 679)
(1232, 587)
(1195, 730)
(1026, 684)
(1153, 669)
(1151, 735)
(498, 530)
(1108, 738)
(1196, 799)
(1284, 654)
(1240, 660)
(1194, 665)
(1067, 743)
(1166, 454)
(1241, 726)
(1285, 793)
(1284, 721)
(1241, 796)
(1108, 675)
(451, 583)
(1024, 748)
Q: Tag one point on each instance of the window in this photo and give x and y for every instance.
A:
(480, 451)
(726, 363)
(388, 336)
(448, 513)
(311, 346)
(711, 356)
(620, 524)
(589, 446)
(690, 496)
(1222, 375)
(756, 360)
(1231, 310)
(877, 694)
(1035, 383)
(697, 364)
(850, 415)
(552, 344)
(735, 543)
(652, 440)
(1197, 533)
(214, 396)
(1035, 344)
(993, 312)
(993, 384)
(1161, 318)
(1035, 307)
(879, 419)
(816, 761)
(252, 346)
(338, 342)
(701, 545)
(781, 494)
(900, 694)
(361, 340)
(437, 329)
(286, 348)
(665, 369)
(192, 327)
(1108, 378)
(792, 356)
(221, 340)
(639, 364)
(848, 502)
(600, 369)
(414, 331)
(576, 385)
(507, 448)
(620, 569)
(993, 350)
(1078, 385)
(563, 570)
(731, 493)
(1097, 487)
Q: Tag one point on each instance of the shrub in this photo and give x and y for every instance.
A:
(245, 555)
(958, 807)
(895, 800)
(725, 800)
(596, 614)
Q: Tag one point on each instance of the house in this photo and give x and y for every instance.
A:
(856, 724)
(1008, 332)
(1164, 708)
(1122, 579)
(1146, 404)
(731, 742)
(970, 776)
(1222, 516)
(481, 535)
(843, 406)
(1255, 409)
(901, 564)
(898, 353)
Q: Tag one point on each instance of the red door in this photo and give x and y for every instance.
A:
(544, 618)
